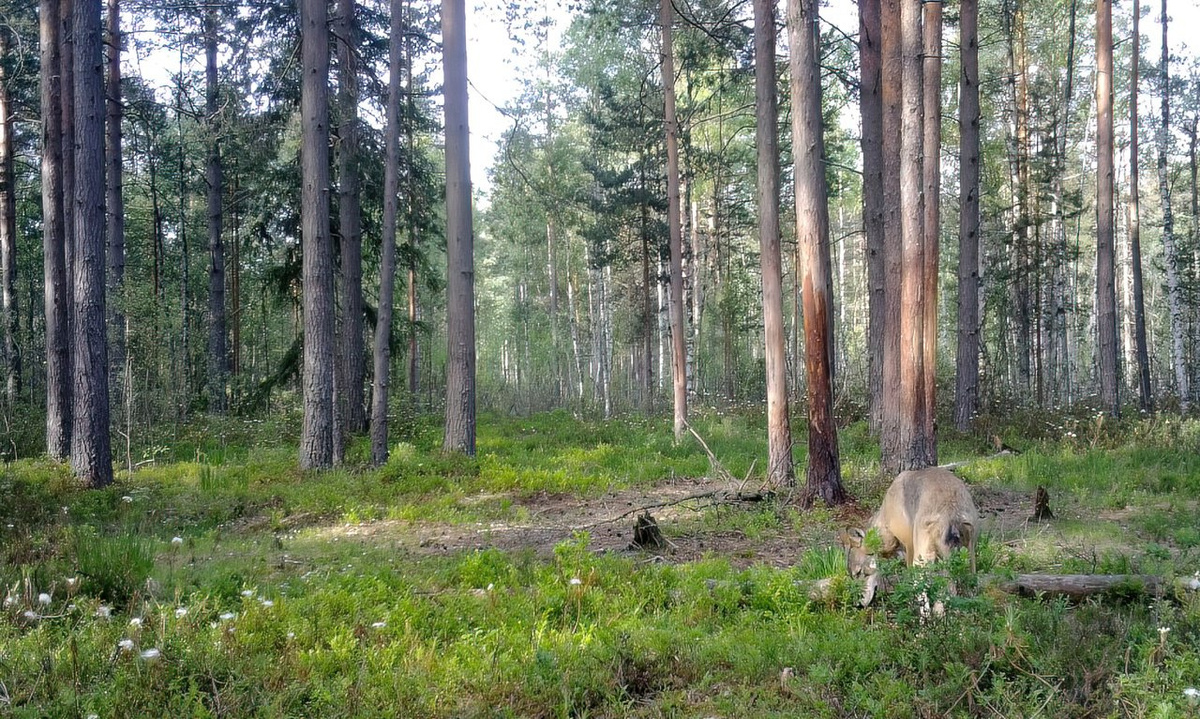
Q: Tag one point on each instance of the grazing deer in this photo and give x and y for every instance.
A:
(926, 514)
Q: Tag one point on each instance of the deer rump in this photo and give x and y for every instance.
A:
(926, 515)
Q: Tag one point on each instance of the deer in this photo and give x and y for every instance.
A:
(926, 515)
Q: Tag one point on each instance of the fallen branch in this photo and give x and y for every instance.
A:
(1042, 586)
(1002, 453)
(719, 496)
(718, 468)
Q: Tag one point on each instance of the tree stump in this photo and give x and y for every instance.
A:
(1041, 504)
(646, 534)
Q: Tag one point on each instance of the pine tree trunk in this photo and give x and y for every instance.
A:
(414, 308)
(387, 269)
(1145, 402)
(91, 450)
(914, 445)
(351, 411)
(9, 314)
(57, 293)
(66, 38)
(824, 479)
(114, 199)
(317, 432)
(966, 388)
(780, 470)
(460, 287)
(678, 331)
(871, 110)
(218, 351)
(1172, 260)
(1106, 294)
(932, 183)
(893, 268)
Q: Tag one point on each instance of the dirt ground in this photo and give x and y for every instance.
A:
(676, 505)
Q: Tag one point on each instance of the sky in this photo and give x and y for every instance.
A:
(495, 80)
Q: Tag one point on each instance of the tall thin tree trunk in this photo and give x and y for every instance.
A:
(91, 448)
(56, 290)
(185, 269)
(116, 206)
(893, 268)
(780, 471)
(387, 269)
(871, 111)
(932, 183)
(460, 252)
(1145, 401)
(414, 242)
(9, 314)
(914, 447)
(966, 388)
(349, 395)
(1106, 293)
(823, 478)
(67, 92)
(678, 336)
(218, 350)
(317, 432)
(1175, 300)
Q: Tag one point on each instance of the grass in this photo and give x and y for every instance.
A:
(300, 594)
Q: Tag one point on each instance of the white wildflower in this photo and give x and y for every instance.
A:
(1162, 632)
(93, 716)
(104, 611)
(9, 601)
(379, 625)
(267, 603)
(72, 582)
(151, 654)
(125, 645)
(181, 612)
(176, 541)
(291, 635)
(1192, 694)
(247, 593)
(135, 622)
(576, 581)
(127, 499)
(43, 599)
(30, 615)
(227, 616)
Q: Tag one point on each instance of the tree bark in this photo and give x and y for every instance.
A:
(678, 331)
(91, 450)
(317, 433)
(966, 387)
(414, 242)
(1106, 293)
(66, 39)
(914, 448)
(893, 268)
(218, 350)
(57, 295)
(9, 315)
(115, 204)
(387, 269)
(1175, 300)
(824, 478)
(460, 252)
(351, 413)
(871, 111)
(932, 181)
(1145, 401)
(780, 471)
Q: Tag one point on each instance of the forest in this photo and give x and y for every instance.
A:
(306, 413)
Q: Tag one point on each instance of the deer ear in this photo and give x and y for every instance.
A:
(852, 537)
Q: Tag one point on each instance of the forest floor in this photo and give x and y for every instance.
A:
(217, 579)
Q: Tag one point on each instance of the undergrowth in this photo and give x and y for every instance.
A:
(219, 580)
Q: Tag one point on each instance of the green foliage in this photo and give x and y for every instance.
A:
(114, 568)
(310, 594)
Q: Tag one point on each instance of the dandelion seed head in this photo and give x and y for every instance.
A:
(226, 616)
(151, 654)
(135, 622)
(576, 581)
(43, 599)
(176, 541)
(181, 612)
(125, 645)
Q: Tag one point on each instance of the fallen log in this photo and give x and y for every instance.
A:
(1071, 586)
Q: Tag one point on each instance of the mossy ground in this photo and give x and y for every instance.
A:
(451, 587)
